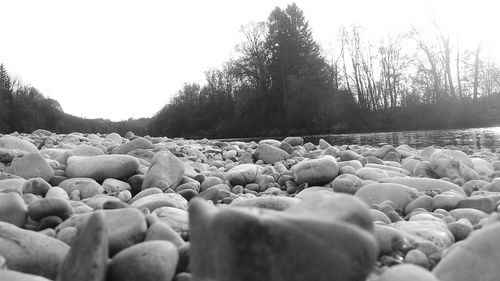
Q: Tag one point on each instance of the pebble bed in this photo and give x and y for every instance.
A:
(109, 207)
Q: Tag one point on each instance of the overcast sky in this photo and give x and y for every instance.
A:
(121, 59)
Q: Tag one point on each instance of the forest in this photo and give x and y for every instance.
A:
(282, 82)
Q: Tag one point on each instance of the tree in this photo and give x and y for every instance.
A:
(298, 71)
(476, 72)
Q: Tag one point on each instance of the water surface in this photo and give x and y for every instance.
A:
(474, 137)
(488, 137)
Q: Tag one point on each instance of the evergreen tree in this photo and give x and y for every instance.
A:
(5, 100)
(298, 71)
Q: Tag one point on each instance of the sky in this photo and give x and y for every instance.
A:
(121, 59)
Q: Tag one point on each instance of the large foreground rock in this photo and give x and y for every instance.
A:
(102, 167)
(88, 255)
(476, 258)
(257, 244)
(31, 252)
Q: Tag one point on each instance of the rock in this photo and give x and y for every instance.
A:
(347, 155)
(389, 240)
(347, 183)
(158, 200)
(165, 172)
(132, 145)
(384, 150)
(408, 272)
(356, 164)
(176, 218)
(10, 275)
(474, 185)
(147, 261)
(209, 182)
(435, 232)
(376, 193)
(88, 256)
(460, 229)
(12, 209)
(425, 202)
(333, 207)
(417, 257)
(473, 215)
(183, 276)
(32, 165)
(425, 184)
(483, 167)
(473, 259)
(87, 150)
(112, 186)
(146, 155)
(270, 154)
(67, 234)
(388, 168)
(125, 227)
(294, 141)
(48, 224)
(449, 163)
(423, 170)
(37, 186)
(14, 143)
(447, 200)
(374, 174)
(97, 201)
(377, 215)
(45, 207)
(271, 202)
(31, 252)
(12, 185)
(86, 187)
(102, 167)
(114, 137)
(243, 174)
(484, 204)
(324, 249)
(162, 231)
(57, 192)
(144, 193)
(316, 171)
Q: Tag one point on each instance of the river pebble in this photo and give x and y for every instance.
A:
(179, 209)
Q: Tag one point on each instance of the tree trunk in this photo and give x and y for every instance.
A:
(476, 73)
(459, 83)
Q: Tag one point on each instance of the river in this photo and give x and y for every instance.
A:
(488, 137)
(473, 137)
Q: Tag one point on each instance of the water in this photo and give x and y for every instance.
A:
(474, 137)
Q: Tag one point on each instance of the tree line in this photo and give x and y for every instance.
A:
(24, 109)
(283, 83)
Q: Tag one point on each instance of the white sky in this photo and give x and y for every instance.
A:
(121, 59)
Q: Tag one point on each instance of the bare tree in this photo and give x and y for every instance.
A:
(476, 72)
(459, 82)
(433, 71)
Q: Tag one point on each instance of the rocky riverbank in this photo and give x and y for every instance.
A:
(110, 207)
